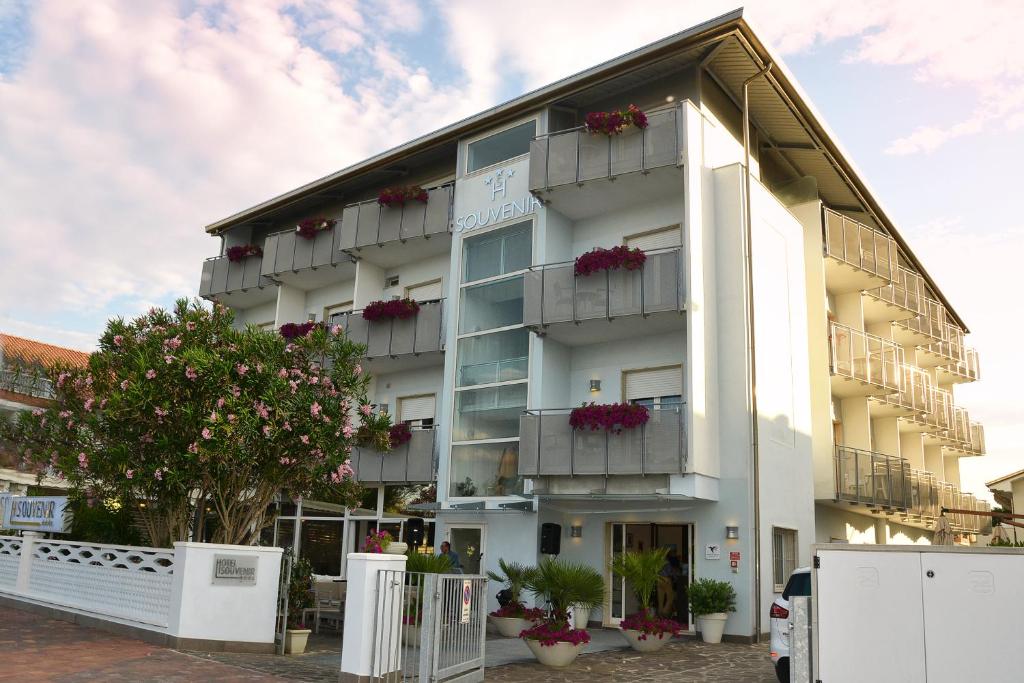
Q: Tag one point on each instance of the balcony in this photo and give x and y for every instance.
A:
(550, 447)
(410, 463)
(872, 479)
(573, 170)
(924, 500)
(964, 370)
(388, 229)
(26, 381)
(862, 364)
(900, 300)
(948, 351)
(914, 398)
(928, 328)
(977, 445)
(420, 335)
(940, 418)
(554, 296)
(310, 263)
(857, 257)
(238, 284)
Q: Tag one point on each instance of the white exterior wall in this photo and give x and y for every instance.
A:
(257, 315)
(317, 300)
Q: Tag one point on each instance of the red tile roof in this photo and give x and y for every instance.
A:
(33, 352)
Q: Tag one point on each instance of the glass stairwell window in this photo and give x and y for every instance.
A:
(501, 146)
(492, 363)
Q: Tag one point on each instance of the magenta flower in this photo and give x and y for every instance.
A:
(347, 431)
(150, 374)
(336, 330)
(598, 259)
(129, 473)
(611, 417)
(193, 447)
(390, 309)
(83, 461)
(158, 475)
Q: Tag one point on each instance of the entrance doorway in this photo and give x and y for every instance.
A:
(672, 593)
(468, 542)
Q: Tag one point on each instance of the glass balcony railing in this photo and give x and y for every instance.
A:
(411, 463)
(865, 363)
(966, 369)
(368, 223)
(421, 333)
(549, 446)
(25, 381)
(573, 157)
(861, 248)
(977, 445)
(907, 291)
(915, 394)
(941, 416)
(924, 495)
(554, 294)
(872, 479)
(927, 328)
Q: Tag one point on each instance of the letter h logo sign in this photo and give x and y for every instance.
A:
(497, 183)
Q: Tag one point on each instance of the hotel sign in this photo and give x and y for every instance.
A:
(234, 570)
(509, 199)
(35, 513)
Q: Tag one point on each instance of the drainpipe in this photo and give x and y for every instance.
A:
(755, 445)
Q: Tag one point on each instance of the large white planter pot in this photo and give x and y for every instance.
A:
(411, 635)
(712, 626)
(397, 548)
(295, 640)
(580, 617)
(651, 644)
(510, 627)
(558, 655)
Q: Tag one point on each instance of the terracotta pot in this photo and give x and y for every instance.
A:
(712, 626)
(510, 627)
(652, 643)
(295, 640)
(558, 655)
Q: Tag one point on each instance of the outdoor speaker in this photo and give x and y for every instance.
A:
(550, 538)
(414, 531)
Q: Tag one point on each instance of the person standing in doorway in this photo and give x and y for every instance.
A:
(453, 557)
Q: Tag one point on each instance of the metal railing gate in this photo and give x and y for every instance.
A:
(282, 600)
(429, 628)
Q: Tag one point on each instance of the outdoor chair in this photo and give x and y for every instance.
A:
(328, 605)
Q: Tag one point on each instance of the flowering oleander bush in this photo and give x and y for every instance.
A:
(237, 253)
(399, 435)
(611, 417)
(377, 542)
(181, 411)
(517, 610)
(398, 196)
(552, 632)
(651, 626)
(391, 309)
(309, 227)
(613, 122)
(609, 259)
(296, 330)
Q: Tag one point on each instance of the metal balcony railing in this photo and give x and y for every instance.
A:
(924, 495)
(932, 323)
(368, 223)
(286, 251)
(865, 357)
(575, 156)
(977, 445)
(25, 381)
(554, 294)
(421, 333)
(860, 246)
(941, 415)
(872, 478)
(960, 430)
(907, 291)
(966, 368)
(915, 391)
(411, 463)
(224, 276)
(549, 446)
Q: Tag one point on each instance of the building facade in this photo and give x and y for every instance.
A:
(796, 361)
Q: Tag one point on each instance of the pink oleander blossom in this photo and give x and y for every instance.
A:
(150, 374)
(190, 326)
(315, 409)
(304, 439)
(129, 474)
(207, 434)
(118, 340)
(357, 370)
(242, 369)
(366, 409)
(124, 385)
(190, 373)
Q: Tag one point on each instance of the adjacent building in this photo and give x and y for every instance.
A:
(797, 362)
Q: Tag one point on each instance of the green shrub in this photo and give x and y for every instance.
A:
(300, 591)
(708, 596)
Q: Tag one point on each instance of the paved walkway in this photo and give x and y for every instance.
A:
(39, 649)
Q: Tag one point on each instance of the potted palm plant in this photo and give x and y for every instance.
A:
(416, 565)
(513, 617)
(710, 602)
(300, 598)
(553, 641)
(644, 631)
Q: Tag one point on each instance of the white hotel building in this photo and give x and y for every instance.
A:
(798, 361)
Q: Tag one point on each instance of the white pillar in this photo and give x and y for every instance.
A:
(361, 612)
(28, 539)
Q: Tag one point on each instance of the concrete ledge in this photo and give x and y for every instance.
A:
(138, 632)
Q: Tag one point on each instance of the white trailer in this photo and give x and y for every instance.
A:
(911, 614)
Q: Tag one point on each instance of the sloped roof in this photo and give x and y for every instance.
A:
(31, 352)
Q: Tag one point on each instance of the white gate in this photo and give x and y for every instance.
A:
(441, 627)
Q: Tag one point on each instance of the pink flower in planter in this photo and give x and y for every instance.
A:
(599, 259)
(611, 417)
(390, 309)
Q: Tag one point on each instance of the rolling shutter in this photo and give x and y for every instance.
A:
(654, 383)
(660, 239)
(415, 408)
(428, 291)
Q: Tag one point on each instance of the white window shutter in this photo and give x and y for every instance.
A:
(659, 239)
(654, 383)
(427, 291)
(412, 408)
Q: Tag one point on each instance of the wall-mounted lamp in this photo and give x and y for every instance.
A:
(732, 532)
(576, 532)
(595, 386)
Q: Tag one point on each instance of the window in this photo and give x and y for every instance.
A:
(495, 304)
(331, 311)
(501, 146)
(417, 411)
(799, 585)
(425, 291)
(497, 252)
(655, 388)
(489, 413)
(492, 358)
(783, 556)
(656, 239)
(485, 469)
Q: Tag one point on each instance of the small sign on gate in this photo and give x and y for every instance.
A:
(467, 600)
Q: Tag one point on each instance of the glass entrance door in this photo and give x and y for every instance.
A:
(468, 542)
(670, 598)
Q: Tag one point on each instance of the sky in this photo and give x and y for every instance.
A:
(125, 127)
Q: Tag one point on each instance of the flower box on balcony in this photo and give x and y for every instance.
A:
(242, 251)
(296, 330)
(401, 309)
(613, 122)
(399, 435)
(309, 227)
(398, 196)
(611, 417)
(599, 259)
